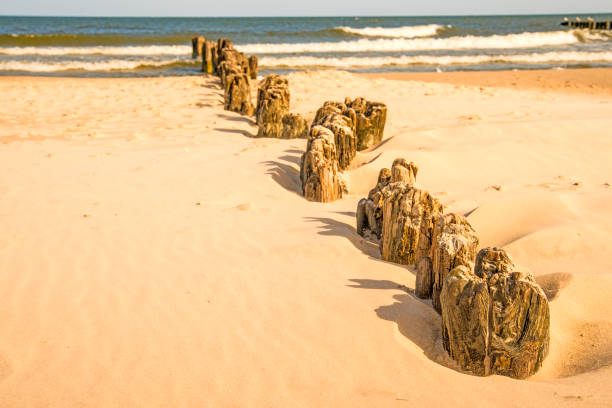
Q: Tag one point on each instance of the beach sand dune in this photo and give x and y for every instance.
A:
(154, 253)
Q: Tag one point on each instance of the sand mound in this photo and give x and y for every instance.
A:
(588, 348)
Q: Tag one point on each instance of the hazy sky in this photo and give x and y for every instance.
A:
(205, 8)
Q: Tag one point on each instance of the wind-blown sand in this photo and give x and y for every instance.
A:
(153, 253)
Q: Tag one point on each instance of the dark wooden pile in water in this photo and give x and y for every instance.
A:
(589, 24)
(197, 43)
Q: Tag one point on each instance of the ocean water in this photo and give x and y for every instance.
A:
(91, 46)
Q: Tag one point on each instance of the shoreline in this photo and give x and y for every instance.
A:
(590, 81)
(593, 81)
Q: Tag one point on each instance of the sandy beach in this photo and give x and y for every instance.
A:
(154, 253)
(581, 81)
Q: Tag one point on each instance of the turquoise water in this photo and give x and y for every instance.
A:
(79, 46)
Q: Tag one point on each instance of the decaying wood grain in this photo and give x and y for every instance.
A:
(409, 215)
(224, 43)
(330, 107)
(368, 118)
(423, 282)
(225, 69)
(344, 137)
(369, 210)
(238, 94)
(496, 319)
(454, 244)
(402, 170)
(294, 126)
(319, 173)
(272, 106)
(231, 60)
(370, 124)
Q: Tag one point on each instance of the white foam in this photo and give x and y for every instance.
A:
(108, 65)
(509, 41)
(355, 62)
(397, 32)
(524, 40)
(100, 50)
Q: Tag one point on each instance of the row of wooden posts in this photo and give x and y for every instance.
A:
(234, 69)
(495, 317)
(588, 25)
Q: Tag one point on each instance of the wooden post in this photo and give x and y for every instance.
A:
(196, 45)
(207, 57)
(253, 62)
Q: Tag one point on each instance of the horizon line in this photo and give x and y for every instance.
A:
(309, 16)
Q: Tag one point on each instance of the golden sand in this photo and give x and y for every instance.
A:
(154, 254)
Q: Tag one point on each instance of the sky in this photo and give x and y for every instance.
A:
(215, 8)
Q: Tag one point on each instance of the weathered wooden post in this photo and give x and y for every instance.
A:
(294, 126)
(408, 218)
(319, 173)
(345, 139)
(253, 62)
(196, 45)
(495, 320)
(454, 243)
(272, 105)
(208, 50)
(238, 94)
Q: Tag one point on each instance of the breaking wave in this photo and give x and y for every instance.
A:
(356, 62)
(509, 41)
(109, 65)
(100, 50)
(81, 40)
(428, 30)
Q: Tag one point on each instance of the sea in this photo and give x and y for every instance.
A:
(113, 46)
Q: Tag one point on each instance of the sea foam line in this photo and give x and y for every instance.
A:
(355, 62)
(397, 32)
(108, 65)
(100, 50)
(524, 40)
(509, 41)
